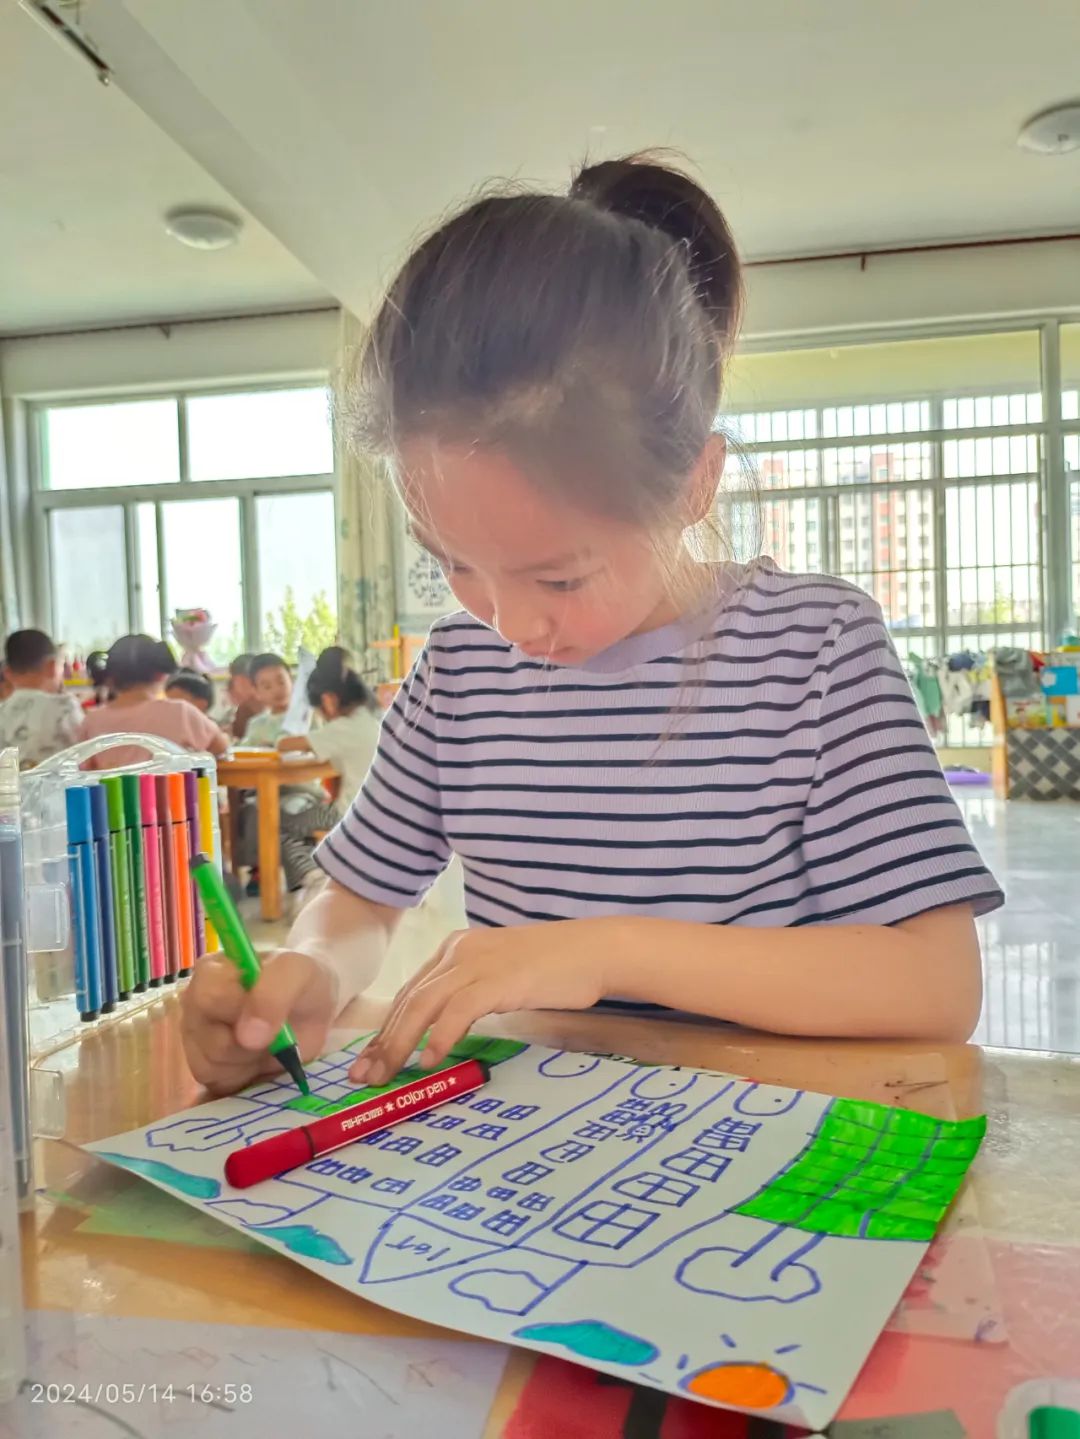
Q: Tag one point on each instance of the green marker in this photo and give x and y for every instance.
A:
(238, 947)
(123, 884)
(1051, 1422)
(133, 824)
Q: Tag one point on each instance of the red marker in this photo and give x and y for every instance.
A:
(282, 1152)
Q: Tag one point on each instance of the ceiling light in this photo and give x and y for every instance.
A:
(1053, 132)
(203, 229)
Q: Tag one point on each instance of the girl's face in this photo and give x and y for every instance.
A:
(558, 582)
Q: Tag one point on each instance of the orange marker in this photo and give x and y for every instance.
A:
(180, 857)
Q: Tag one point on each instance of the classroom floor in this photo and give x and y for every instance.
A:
(1031, 948)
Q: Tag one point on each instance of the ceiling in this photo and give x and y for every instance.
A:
(85, 177)
(345, 127)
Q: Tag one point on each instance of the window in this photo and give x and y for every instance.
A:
(92, 543)
(1070, 417)
(92, 447)
(922, 462)
(217, 500)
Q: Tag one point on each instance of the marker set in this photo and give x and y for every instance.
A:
(113, 912)
(137, 919)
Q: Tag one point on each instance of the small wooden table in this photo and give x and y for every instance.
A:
(265, 771)
(1025, 1184)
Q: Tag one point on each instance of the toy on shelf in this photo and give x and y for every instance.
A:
(193, 630)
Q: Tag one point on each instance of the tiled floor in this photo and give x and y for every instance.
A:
(1031, 948)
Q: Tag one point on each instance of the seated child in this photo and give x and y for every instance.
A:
(191, 688)
(137, 668)
(241, 704)
(350, 735)
(348, 740)
(38, 717)
(272, 683)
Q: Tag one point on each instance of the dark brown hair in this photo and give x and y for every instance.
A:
(138, 660)
(333, 674)
(584, 335)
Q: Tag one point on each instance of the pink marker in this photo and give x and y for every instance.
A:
(155, 897)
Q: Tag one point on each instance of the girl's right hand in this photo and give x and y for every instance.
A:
(227, 1030)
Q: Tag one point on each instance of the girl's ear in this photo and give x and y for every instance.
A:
(704, 479)
(330, 706)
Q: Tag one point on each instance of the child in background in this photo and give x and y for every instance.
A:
(347, 740)
(96, 672)
(192, 689)
(38, 717)
(137, 668)
(240, 694)
(273, 686)
(688, 785)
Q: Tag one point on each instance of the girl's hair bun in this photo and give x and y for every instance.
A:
(642, 187)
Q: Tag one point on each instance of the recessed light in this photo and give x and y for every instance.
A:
(1053, 132)
(203, 229)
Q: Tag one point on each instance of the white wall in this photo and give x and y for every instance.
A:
(190, 353)
(894, 290)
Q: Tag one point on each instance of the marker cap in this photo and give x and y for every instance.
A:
(129, 783)
(99, 812)
(148, 798)
(79, 824)
(174, 788)
(114, 796)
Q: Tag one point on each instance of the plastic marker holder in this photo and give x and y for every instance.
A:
(238, 947)
(281, 1152)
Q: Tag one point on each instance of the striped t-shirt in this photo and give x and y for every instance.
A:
(761, 763)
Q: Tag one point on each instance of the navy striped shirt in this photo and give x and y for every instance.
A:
(760, 763)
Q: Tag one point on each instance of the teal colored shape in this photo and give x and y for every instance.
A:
(593, 1339)
(193, 1185)
(302, 1239)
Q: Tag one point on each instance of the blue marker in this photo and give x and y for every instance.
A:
(99, 818)
(84, 903)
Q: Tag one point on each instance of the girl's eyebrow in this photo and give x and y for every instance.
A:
(557, 562)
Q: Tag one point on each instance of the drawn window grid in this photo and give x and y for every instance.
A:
(697, 1164)
(506, 1222)
(440, 1155)
(465, 1211)
(465, 1184)
(489, 1132)
(656, 1188)
(535, 1202)
(943, 530)
(568, 1152)
(527, 1173)
(605, 1223)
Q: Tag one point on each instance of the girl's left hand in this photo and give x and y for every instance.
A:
(554, 965)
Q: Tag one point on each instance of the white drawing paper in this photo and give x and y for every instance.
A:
(577, 1205)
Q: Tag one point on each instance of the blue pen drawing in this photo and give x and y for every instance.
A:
(577, 1204)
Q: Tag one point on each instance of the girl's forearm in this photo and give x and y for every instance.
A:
(348, 934)
(920, 979)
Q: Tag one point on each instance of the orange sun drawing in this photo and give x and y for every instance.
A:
(750, 1386)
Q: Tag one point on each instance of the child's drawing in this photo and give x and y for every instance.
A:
(737, 1243)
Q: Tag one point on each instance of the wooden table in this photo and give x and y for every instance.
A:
(265, 771)
(1026, 1184)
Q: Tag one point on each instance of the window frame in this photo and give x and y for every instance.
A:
(247, 492)
(1057, 565)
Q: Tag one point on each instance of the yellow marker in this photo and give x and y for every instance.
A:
(207, 832)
